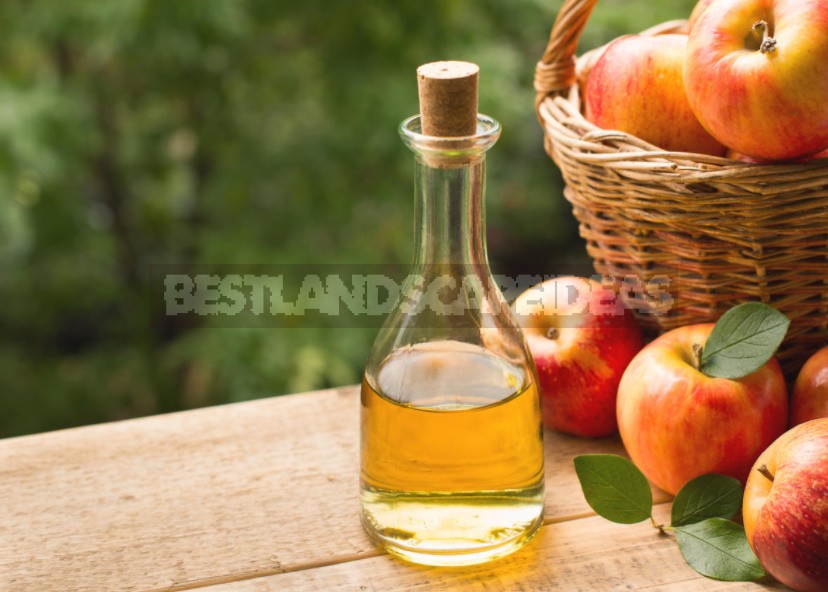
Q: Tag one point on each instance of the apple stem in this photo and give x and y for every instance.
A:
(768, 44)
(697, 355)
(552, 333)
(658, 527)
(766, 473)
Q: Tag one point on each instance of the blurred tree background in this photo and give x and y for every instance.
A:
(135, 132)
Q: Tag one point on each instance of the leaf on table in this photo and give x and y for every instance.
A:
(744, 338)
(614, 487)
(708, 496)
(718, 549)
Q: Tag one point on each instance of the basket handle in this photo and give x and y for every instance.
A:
(555, 72)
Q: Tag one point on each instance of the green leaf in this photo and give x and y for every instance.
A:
(614, 487)
(742, 341)
(708, 496)
(718, 548)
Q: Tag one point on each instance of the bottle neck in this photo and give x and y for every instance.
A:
(450, 214)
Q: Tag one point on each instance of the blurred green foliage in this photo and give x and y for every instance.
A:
(135, 132)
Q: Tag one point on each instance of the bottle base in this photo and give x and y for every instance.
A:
(452, 529)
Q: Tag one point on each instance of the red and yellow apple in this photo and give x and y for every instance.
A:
(678, 423)
(700, 7)
(581, 338)
(817, 156)
(756, 76)
(736, 156)
(809, 399)
(636, 87)
(785, 507)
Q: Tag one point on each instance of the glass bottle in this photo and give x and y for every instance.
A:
(451, 437)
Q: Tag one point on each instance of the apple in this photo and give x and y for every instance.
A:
(581, 338)
(785, 507)
(636, 87)
(810, 394)
(818, 155)
(733, 155)
(700, 7)
(678, 423)
(756, 76)
(736, 156)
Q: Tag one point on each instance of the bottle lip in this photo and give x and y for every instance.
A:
(454, 149)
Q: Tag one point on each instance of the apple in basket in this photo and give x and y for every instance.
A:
(756, 76)
(700, 7)
(581, 338)
(636, 87)
(736, 156)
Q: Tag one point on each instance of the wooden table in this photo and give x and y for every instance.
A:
(262, 497)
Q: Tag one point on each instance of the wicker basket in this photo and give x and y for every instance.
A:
(719, 231)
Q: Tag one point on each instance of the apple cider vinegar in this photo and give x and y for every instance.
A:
(452, 454)
(451, 438)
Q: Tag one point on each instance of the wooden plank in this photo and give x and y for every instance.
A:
(201, 497)
(584, 555)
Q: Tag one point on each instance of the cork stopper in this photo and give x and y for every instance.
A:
(448, 98)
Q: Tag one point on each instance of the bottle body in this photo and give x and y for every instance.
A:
(451, 437)
(452, 458)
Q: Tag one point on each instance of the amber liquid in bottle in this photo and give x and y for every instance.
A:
(452, 457)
